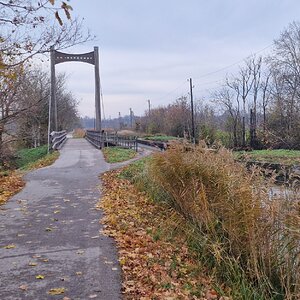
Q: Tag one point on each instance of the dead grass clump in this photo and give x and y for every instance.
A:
(78, 133)
(241, 227)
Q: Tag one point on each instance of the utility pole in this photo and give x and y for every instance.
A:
(131, 117)
(120, 127)
(192, 109)
(149, 106)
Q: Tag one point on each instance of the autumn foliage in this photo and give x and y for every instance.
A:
(10, 184)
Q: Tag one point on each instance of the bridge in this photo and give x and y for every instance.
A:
(50, 238)
(50, 232)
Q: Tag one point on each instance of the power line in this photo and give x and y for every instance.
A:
(214, 72)
(233, 64)
(211, 82)
(171, 92)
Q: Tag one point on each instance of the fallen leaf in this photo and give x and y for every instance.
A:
(122, 261)
(211, 294)
(57, 211)
(56, 291)
(39, 277)
(23, 287)
(32, 264)
(10, 246)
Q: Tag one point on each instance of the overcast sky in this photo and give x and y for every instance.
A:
(148, 49)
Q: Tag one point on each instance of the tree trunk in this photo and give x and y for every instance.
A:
(1, 145)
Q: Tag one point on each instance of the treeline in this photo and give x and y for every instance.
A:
(259, 106)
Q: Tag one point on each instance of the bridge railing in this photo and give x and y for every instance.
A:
(95, 138)
(57, 138)
(101, 140)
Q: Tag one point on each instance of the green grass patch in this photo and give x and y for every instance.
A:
(161, 138)
(134, 169)
(45, 161)
(29, 156)
(282, 156)
(117, 154)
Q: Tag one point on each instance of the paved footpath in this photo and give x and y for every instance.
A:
(52, 233)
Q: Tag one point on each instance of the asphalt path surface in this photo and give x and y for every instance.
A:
(50, 235)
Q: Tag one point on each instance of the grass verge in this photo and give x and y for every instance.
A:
(27, 156)
(153, 244)
(11, 182)
(281, 156)
(244, 237)
(117, 154)
(44, 161)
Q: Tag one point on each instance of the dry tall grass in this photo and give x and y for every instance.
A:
(240, 225)
(78, 133)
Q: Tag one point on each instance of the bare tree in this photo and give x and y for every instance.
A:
(255, 66)
(245, 82)
(229, 98)
(266, 95)
(285, 68)
(30, 27)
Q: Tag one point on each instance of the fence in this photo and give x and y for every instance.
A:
(57, 138)
(101, 140)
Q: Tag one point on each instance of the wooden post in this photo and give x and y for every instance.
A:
(97, 89)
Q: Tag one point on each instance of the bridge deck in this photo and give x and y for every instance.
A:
(55, 230)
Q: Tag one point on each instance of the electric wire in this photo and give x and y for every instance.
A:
(233, 64)
(214, 72)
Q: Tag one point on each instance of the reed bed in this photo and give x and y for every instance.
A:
(247, 237)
